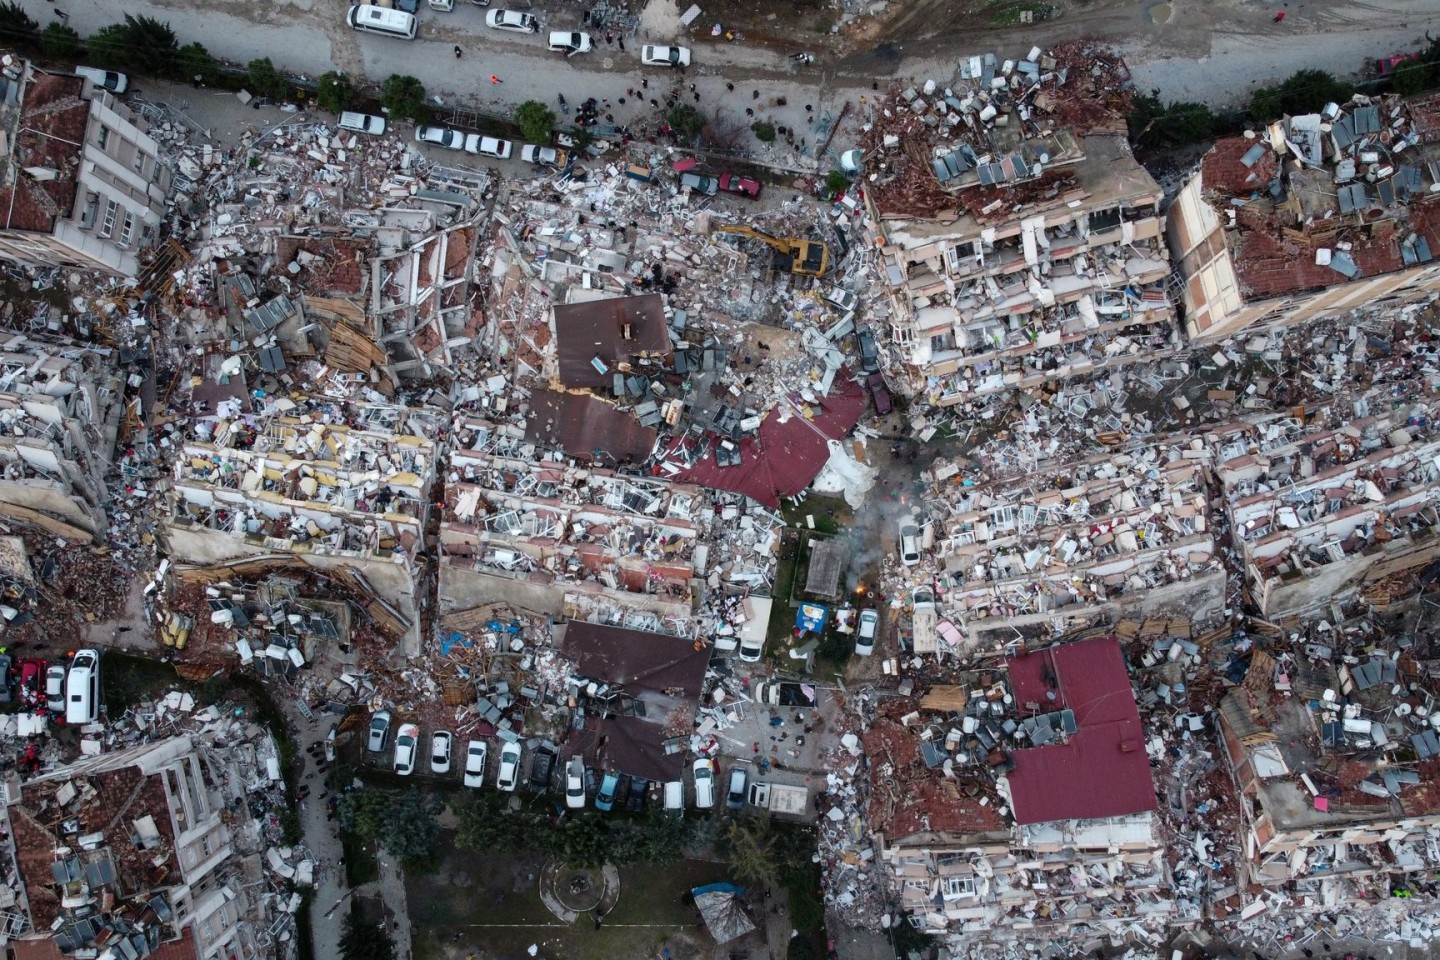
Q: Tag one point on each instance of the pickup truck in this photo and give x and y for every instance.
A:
(782, 693)
(780, 798)
(924, 622)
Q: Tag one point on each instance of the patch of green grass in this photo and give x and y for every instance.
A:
(361, 864)
(132, 680)
(832, 514)
(1008, 13)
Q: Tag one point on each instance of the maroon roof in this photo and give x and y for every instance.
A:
(784, 456)
(635, 659)
(632, 746)
(597, 328)
(53, 120)
(1102, 770)
(581, 424)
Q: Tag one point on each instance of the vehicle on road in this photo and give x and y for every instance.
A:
(704, 772)
(406, 744)
(700, 183)
(440, 137)
(54, 689)
(532, 153)
(442, 743)
(570, 42)
(488, 146)
(82, 688)
(654, 56)
(780, 798)
(880, 393)
(752, 648)
(909, 541)
(362, 123)
(605, 799)
(869, 352)
(508, 775)
(865, 633)
(639, 794)
(476, 753)
(735, 794)
(368, 18)
(575, 783)
(411, 7)
(675, 798)
(734, 183)
(379, 732)
(924, 622)
(511, 20)
(541, 766)
(105, 79)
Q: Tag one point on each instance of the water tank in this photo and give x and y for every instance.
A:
(851, 161)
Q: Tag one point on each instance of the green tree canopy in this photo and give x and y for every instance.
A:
(685, 120)
(140, 44)
(749, 847)
(535, 121)
(59, 40)
(16, 24)
(362, 941)
(193, 60)
(1411, 77)
(404, 823)
(1304, 91)
(264, 80)
(1152, 123)
(334, 91)
(403, 97)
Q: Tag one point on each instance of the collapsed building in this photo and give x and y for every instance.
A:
(1020, 240)
(1311, 217)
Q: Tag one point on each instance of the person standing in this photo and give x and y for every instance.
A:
(458, 51)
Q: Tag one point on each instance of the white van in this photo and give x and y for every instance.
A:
(82, 688)
(362, 122)
(104, 79)
(444, 6)
(381, 20)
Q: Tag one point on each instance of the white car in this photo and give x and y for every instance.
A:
(440, 136)
(105, 79)
(488, 146)
(704, 783)
(441, 743)
(379, 731)
(405, 746)
(570, 42)
(653, 56)
(511, 20)
(842, 300)
(751, 648)
(909, 542)
(476, 753)
(530, 153)
(675, 798)
(575, 783)
(865, 633)
(362, 123)
(509, 774)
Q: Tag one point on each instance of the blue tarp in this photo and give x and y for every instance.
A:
(811, 617)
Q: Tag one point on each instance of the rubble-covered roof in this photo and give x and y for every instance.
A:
(47, 138)
(1100, 770)
(588, 427)
(633, 746)
(636, 660)
(614, 330)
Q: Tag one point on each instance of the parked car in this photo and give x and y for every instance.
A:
(406, 745)
(734, 183)
(32, 681)
(880, 393)
(653, 56)
(411, 7)
(82, 687)
(531, 153)
(511, 20)
(488, 146)
(509, 773)
(841, 299)
(704, 772)
(575, 783)
(105, 79)
(570, 42)
(700, 183)
(379, 732)
(639, 795)
(865, 633)
(442, 742)
(476, 753)
(909, 541)
(362, 123)
(440, 136)
(675, 798)
(622, 791)
(869, 352)
(541, 766)
(605, 799)
(7, 678)
(735, 795)
(55, 689)
(752, 648)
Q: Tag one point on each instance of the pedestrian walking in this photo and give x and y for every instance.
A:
(1280, 16)
(730, 87)
(458, 51)
(754, 94)
(495, 79)
(62, 14)
(621, 42)
(692, 88)
(697, 96)
(609, 37)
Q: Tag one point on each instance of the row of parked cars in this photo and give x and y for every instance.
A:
(69, 692)
(442, 748)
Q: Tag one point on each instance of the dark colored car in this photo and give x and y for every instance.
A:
(411, 7)
(639, 794)
(622, 792)
(541, 767)
(869, 352)
(7, 677)
(734, 183)
(880, 392)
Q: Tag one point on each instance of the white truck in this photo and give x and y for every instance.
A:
(923, 622)
(780, 798)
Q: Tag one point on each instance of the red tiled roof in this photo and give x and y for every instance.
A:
(341, 269)
(1221, 169)
(785, 455)
(1102, 770)
(52, 104)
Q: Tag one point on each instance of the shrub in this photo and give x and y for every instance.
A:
(403, 97)
(685, 120)
(59, 40)
(193, 60)
(334, 91)
(535, 121)
(764, 131)
(264, 79)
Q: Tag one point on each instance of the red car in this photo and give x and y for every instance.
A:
(734, 183)
(32, 682)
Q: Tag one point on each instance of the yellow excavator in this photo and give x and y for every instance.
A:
(809, 258)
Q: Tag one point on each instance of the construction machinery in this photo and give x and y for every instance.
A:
(809, 258)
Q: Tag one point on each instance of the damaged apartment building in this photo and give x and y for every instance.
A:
(1310, 217)
(137, 853)
(324, 482)
(1069, 547)
(1020, 801)
(83, 184)
(1020, 239)
(60, 407)
(1320, 508)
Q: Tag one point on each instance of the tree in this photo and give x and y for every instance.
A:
(685, 120)
(764, 131)
(835, 183)
(662, 838)
(361, 811)
(582, 842)
(1304, 91)
(1152, 123)
(750, 850)
(152, 45)
(801, 948)
(334, 91)
(794, 852)
(535, 121)
(108, 46)
(264, 79)
(59, 40)
(483, 825)
(361, 941)
(16, 24)
(193, 60)
(403, 97)
(1410, 78)
(408, 828)
(1265, 105)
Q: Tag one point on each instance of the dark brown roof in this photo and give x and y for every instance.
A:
(627, 745)
(584, 331)
(636, 660)
(52, 103)
(37, 949)
(581, 424)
